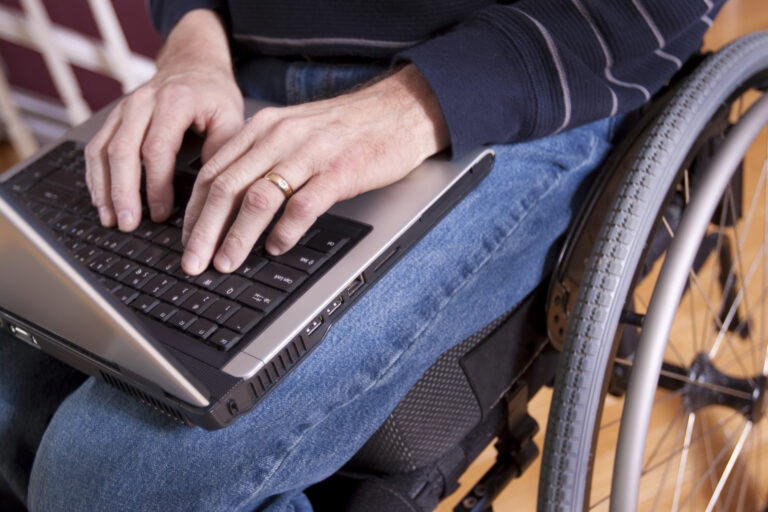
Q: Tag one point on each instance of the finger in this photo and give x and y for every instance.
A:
(123, 152)
(301, 211)
(232, 151)
(221, 202)
(161, 145)
(260, 204)
(97, 168)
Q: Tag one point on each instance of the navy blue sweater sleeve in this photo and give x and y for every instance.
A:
(534, 68)
(166, 13)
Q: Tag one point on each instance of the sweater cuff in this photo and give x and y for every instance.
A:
(167, 13)
(484, 85)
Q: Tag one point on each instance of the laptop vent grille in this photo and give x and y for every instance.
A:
(145, 398)
(277, 368)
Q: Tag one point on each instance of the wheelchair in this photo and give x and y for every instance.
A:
(655, 313)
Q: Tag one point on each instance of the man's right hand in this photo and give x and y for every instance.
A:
(194, 87)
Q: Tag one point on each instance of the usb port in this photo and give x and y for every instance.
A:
(313, 325)
(333, 306)
(355, 285)
(23, 334)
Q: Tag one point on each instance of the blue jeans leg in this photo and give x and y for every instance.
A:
(104, 451)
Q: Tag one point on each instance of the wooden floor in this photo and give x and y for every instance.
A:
(737, 17)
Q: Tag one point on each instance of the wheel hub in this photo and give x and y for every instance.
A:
(706, 385)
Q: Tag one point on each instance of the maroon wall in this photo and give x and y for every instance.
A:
(26, 69)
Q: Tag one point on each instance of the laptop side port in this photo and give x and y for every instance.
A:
(333, 306)
(355, 285)
(313, 325)
(23, 334)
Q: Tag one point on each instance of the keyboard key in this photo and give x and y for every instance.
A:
(65, 223)
(327, 241)
(126, 294)
(120, 270)
(103, 261)
(68, 180)
(152, 254)
(200, 301)
(261, 297)
(148, 229)
(244, 320)
(302, 258)
(203, 328)
(87, 253)
(251, 265)
(224, 339)
(232, 286)
(82, 228)
(111, 285)
(169, 264)
(145, 303)
(96, 236)
(163, 311)
(210, 279)
(182, 319)
(53, 194)
(133, 248)
(158, 285)
(178, 293)
(221, 310)
(115, 241)
(280, 277)
(139, 277)
(168, 237)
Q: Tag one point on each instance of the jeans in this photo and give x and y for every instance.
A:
(70, 443)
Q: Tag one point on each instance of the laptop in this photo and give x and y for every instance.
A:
(207, 349)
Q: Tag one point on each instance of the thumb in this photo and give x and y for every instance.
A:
(221, 128)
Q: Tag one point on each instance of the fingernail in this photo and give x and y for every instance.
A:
(223, 264)
(104, 216)
(273, 249)
(125, 219)
(157, 209)
(190, 261)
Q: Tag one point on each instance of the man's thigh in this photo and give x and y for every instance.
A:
(482, 259)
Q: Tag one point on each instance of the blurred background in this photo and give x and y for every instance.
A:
(61, 60)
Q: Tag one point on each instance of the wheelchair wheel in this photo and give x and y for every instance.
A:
(673, 309)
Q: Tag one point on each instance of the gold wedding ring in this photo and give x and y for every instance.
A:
(281, 183)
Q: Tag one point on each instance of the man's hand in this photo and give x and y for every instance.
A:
(327, 151)
(194, 86)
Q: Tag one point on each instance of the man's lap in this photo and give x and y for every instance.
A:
(104, 450)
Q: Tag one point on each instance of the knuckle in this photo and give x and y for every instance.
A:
(172, 92)
(267, 115)
(257, 200)
(236, 243)
(118, 149)
(222, 188)
(304, 205)
(283, 235)
(208, 172)
(154, 148)
(93, 150)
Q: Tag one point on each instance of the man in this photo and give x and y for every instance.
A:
(436, 75)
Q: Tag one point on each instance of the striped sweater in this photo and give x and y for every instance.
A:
(502, 71)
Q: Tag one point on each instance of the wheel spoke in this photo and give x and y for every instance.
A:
(729, 467)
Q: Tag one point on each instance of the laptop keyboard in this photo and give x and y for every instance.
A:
(143, 268)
